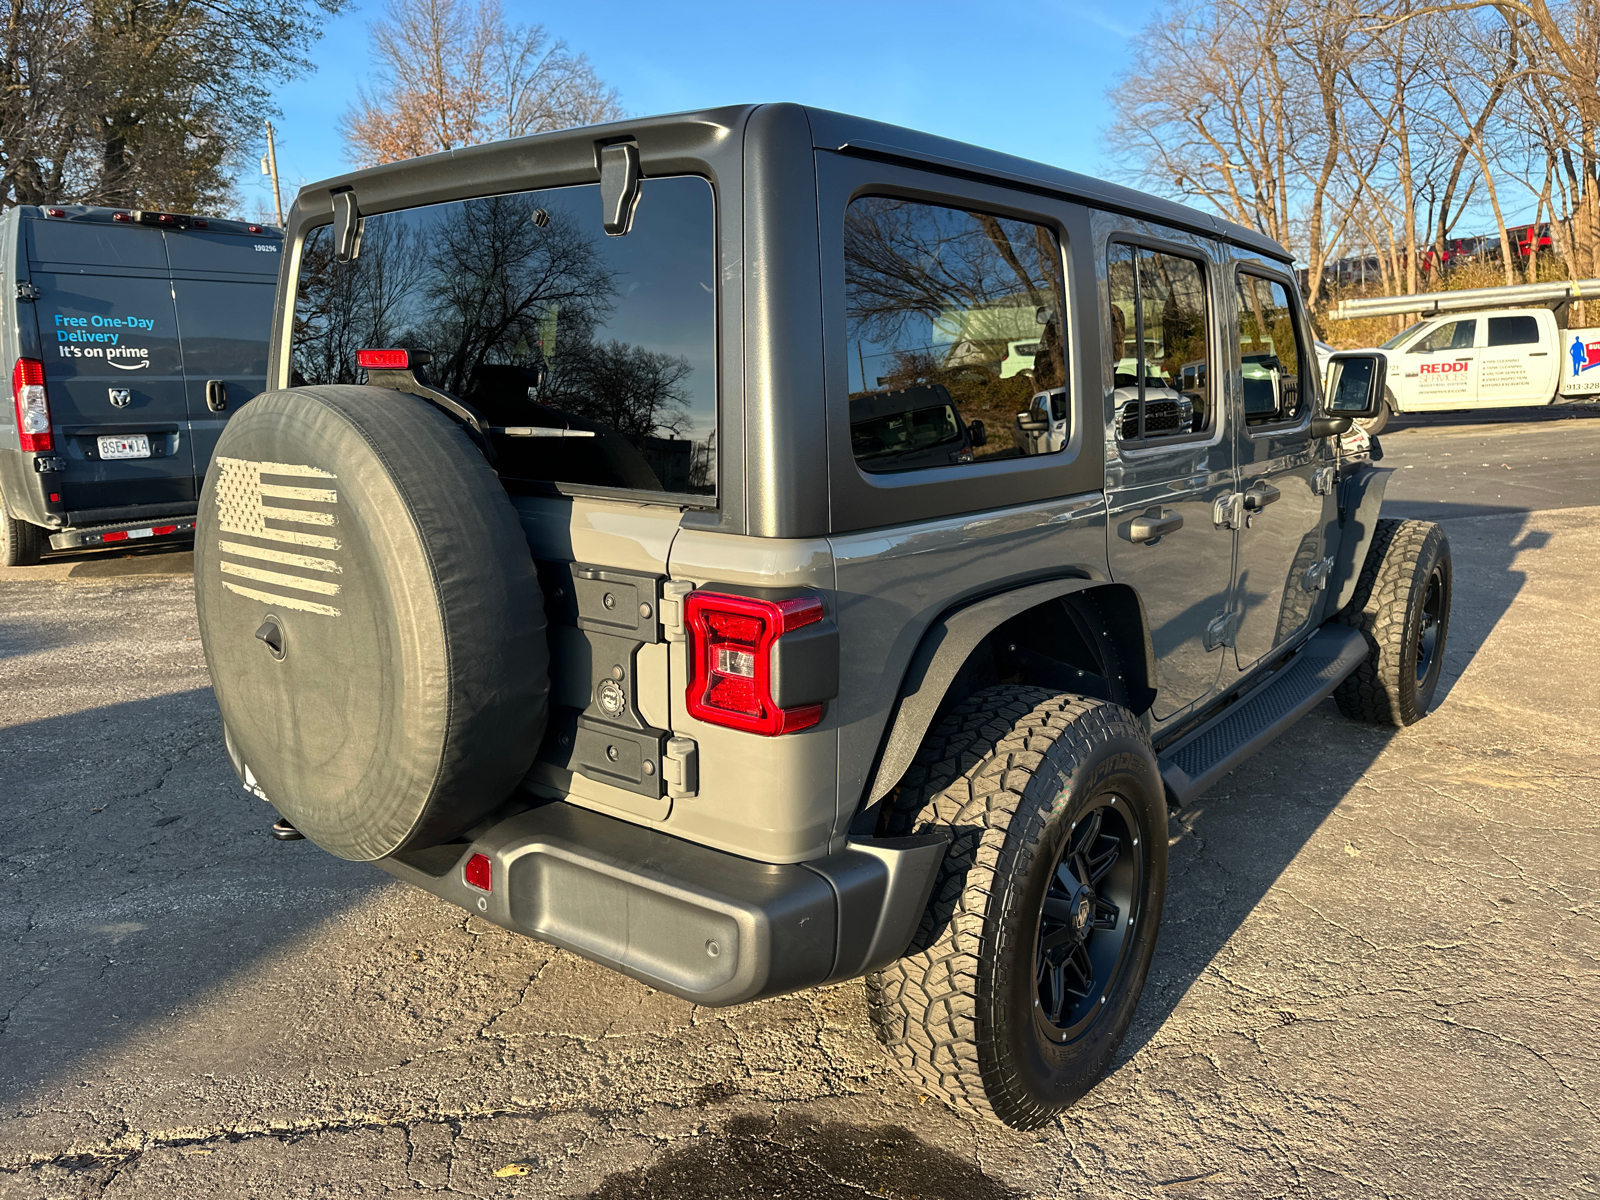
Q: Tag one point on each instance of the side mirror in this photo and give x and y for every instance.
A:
(980, 435)
(1355, 385)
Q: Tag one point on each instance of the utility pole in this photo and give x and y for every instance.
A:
(269, 166)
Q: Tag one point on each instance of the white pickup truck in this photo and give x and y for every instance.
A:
(1491, 358)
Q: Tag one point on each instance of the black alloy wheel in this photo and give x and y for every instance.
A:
(1432, 622)
(1085, 919)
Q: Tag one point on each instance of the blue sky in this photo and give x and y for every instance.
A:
(1026, 78)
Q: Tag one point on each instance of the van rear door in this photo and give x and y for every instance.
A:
(112, 367)
(223, 285)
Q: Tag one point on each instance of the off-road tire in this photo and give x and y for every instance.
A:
(1008, 774)
(1407, 562)
(21, 543)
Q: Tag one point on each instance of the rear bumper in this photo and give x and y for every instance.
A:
(711, 927)
(160, 529)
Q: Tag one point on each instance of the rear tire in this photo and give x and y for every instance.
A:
(21, 543)
(1402, 607)
(1017, 990)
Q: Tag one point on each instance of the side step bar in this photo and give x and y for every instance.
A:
(1197, 760)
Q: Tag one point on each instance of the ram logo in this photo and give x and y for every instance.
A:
(275, 574)
(119, 397)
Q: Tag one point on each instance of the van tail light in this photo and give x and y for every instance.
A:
(733, 644)
(33, 406)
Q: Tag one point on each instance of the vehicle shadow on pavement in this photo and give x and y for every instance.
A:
(1230, 846)
(130, 896)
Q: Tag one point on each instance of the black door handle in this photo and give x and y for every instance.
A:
(1259, 495)
(216, 395)
(1155, 524)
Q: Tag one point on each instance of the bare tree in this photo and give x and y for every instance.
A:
(454, 73)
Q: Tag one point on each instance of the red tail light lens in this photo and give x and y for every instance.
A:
(55, 212)
(253, 228)
(479, 873)
(730, 660)
(384, 360)
(33, 406)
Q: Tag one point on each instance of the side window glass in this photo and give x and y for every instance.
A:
(1513, 331)
(1160, 342)
(956, 338)
(1270, 353)
(1452, 335)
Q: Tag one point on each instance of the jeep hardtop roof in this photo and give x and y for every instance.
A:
(451, 169)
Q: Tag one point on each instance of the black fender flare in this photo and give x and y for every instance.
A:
(950, 641)
(1360, 499)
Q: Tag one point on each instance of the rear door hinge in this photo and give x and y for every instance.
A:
(1221, 630)
(680, 768)
(27, 291)
(1227, 512)
(1322, 481)
(1316, 576)
(673, 594)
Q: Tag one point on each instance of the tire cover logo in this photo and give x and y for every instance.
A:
(268, 573)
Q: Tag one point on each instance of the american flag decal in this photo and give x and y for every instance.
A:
(286, 573)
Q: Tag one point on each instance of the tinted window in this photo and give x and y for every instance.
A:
(1270, 354)
(954, 323)
(202, 250)
(537, 318)
(1159, 343)
(1513, 331)
(1452, 335)
(97, 244)
(225, 326)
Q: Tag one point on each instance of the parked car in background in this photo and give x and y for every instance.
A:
(131, 338)
(1492, 358)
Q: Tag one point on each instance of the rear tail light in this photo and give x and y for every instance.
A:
(33, 406)
(731, 639)
(479, 873)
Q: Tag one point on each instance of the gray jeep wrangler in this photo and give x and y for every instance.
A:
(619, 554)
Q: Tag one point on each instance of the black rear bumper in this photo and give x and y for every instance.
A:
(711, 927)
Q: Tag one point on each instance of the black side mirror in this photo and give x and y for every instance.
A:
(980, 435)
(1355, 384)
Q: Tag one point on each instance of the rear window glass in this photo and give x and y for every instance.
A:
(1513, 331)
(200, 250)
(97, 244)
(537, 318)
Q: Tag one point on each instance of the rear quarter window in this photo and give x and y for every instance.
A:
(539, 319)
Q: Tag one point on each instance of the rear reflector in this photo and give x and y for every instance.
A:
(55, 212)
(32, 405)
(384, 360)
(730, 660)
(479, 873)
(120, 535)
(163, 530)
(121, 217)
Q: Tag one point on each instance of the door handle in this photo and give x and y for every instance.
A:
(1154, 525)
(1258, 495)
(216, 395)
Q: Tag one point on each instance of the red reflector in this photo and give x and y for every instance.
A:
(55, 497)
(120, 536)
(479, 873)
(730, 660)
(160, 530)
(383, 360)
(121, 217)
(253, 228)
(32, 406)
(55, 212)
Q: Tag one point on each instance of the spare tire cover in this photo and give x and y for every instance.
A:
(406, 694)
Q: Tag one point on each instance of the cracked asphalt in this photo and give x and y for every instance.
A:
(1377, 974)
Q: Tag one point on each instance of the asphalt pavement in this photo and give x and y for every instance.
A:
(1376, 977)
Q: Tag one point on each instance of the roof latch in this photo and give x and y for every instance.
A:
(619, 186)
(346, 226)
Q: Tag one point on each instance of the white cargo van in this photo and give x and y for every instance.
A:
(1492, 358)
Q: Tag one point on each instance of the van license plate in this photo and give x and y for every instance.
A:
(134, 446)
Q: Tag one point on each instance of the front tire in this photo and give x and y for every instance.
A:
(1402, 607)
(21, 543)
(1022, 980)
